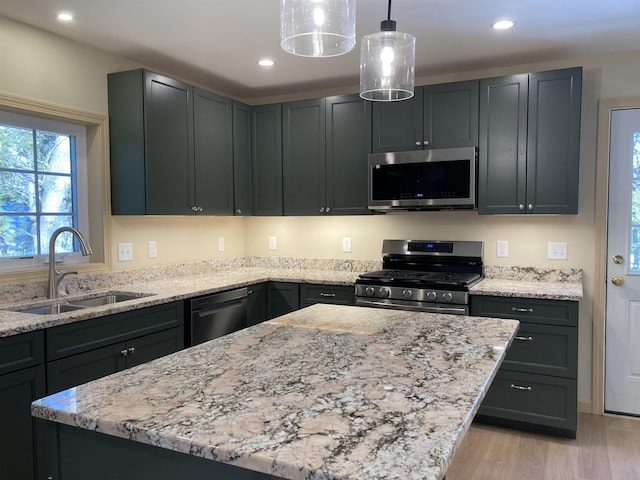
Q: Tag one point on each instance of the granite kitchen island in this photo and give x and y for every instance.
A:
(329, 391)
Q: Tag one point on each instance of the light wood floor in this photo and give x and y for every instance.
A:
(606, 448)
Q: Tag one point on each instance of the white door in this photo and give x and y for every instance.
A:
(622, 334)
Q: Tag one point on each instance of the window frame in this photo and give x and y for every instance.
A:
(78, 176)
(96, 209)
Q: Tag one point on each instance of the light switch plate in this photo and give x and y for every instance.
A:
(221, 244)
(502, 249)
(153, 249)
(125, 252)
(272, 242)
(346, 244)
(557, 251)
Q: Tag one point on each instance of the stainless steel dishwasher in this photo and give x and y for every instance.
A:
(213, 316)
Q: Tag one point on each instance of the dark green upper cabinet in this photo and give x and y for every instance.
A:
(325, 147)
(151, 141)
(553, 143)
(348, 142)
(266, 158)
(242, 177)
(171, 147)
(529, 143)
(213, 152)
(303, 157)
(502, 166)
(438, 116)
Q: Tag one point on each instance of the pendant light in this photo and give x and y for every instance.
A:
(387, 63)
(317, 28)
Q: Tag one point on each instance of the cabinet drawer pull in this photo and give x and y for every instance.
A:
(132, 351)
(524, 339)
(124, 352)
(522, 310)
(520, 387)
(322, 294)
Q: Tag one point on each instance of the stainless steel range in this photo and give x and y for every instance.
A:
(423, 275)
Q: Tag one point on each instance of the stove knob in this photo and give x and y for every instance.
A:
(384, 292)
(431, 296)
(406, 293)
(370, 291)
(447, 297)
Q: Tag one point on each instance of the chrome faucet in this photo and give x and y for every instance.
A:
(56, 276)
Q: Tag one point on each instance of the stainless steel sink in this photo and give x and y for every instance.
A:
(104, 300)
(71, 304)
(51, 309)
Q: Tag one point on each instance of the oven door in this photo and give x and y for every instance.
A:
(414, 306)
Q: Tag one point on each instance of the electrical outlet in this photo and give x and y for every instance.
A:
(557, 251)
(153, 249)
(346, 244)
(272, 242)
(221, 244)
(125, 252)
(502, 249)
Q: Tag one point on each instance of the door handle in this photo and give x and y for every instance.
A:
(617, 280)
(618, 259)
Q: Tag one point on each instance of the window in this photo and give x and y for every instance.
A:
(42, 187)
(634, 254)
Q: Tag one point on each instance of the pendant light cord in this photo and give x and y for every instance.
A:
(388, 25)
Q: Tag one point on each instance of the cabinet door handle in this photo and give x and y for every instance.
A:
(132, 351)
(321, 209)
(327, 210)
(425, 143)
(521, 206)
(530, 206)
(520, 387)
(522, 310)
(124, 353)
(323, 294)
(524, 339)
(417, 143)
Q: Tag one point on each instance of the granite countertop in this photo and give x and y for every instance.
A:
(324, 392)
(552, 284)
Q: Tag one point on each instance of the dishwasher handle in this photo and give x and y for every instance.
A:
(218, 307)
(204, 305)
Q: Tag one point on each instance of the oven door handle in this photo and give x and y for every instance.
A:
(414, 306)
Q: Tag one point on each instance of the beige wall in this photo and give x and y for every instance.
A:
(48, 68)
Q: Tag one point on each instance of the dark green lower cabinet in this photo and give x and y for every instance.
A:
(335, 294)
(84, 367)
(536, 386)
(85, 454)
(533, 402)
(18, 433)
(282, 298)
(257, 304)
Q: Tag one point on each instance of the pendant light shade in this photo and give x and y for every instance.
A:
(387, 64)
(318, 28)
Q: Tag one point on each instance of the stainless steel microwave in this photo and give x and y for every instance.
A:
(423, 179)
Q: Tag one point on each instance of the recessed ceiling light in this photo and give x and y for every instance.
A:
(65, 17)
(266, 62)
(502, 25)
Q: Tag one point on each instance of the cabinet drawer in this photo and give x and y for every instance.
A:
(534, 399)
(75, 338)
(337, 294)
(544, 349)
(21, 351)
(531, 310)
(84, 367)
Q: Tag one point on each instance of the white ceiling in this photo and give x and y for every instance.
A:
(217, 43)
